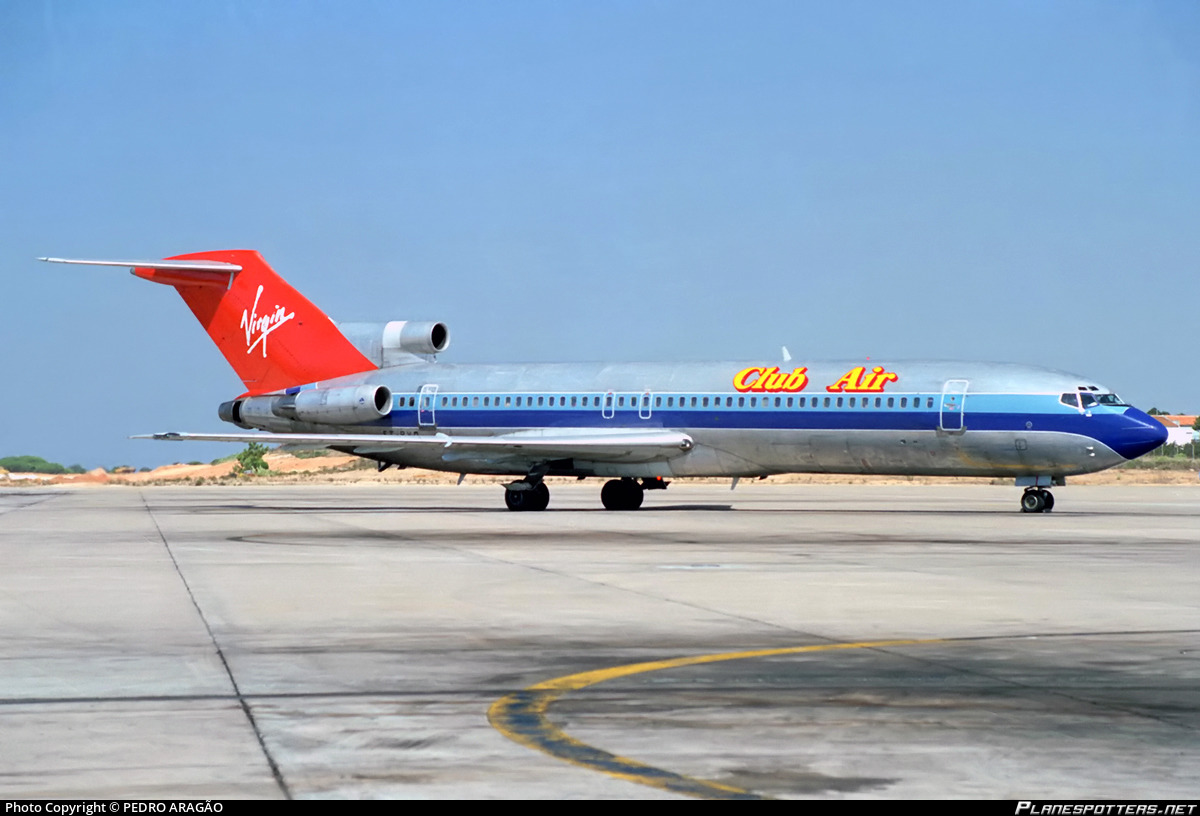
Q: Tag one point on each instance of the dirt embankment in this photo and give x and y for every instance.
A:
(338, 468)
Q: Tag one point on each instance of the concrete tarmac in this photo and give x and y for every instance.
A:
(349, 641)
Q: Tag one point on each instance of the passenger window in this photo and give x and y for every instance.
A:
(507, 402)
(741, 402)
(827, 402)
(904, 402)
(541, 401)
(729, 402)
(621, 401)
(778, 402)
(693, 402)
(929, 403)
(789, 402)
(658, 402)
(878, 402)
(851, 402)
(891, 402)
(444, 401)
(754, 402)
(705, 402)
(839, 402)
(573, 401)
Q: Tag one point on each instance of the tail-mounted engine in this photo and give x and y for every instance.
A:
(394, 343)
(353, 405)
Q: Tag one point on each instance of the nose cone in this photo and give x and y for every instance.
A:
(1139, 433)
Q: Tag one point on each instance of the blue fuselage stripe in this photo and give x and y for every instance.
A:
(983, 412)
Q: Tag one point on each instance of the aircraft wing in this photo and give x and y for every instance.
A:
(618, 445)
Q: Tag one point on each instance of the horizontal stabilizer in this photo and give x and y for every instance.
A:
(181, 266)
(272, 336)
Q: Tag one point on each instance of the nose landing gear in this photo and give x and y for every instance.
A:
(1037, 500)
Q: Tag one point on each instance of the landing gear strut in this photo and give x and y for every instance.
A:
(622, 494)
(523, 495)
(1037, 500)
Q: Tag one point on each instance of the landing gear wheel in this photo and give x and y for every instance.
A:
(1034, 501)
(535, 498)
(541, 496)
(1047, 500)
(622, 494)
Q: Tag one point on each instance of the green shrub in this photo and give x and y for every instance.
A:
(31, 464)
(251, 462)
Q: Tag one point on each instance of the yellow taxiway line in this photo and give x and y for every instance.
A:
(522, 717)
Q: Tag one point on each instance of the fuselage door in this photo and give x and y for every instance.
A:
(426, 416)
(644, 405)
(954, 394)
(609, 408)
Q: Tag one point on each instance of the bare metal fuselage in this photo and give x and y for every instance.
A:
(930, 418)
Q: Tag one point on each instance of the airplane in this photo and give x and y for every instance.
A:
(376, 390)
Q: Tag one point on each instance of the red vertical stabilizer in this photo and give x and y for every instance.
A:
(271, 334)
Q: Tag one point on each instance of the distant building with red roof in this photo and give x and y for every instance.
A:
(1179, 428)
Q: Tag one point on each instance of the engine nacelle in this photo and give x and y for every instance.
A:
(388, 344)
(351, 405)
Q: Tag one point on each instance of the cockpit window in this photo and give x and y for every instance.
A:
(1109, 399)
(1087, 400)
(1070, 398)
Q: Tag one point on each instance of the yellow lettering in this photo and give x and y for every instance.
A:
(795, 381)
(850, 382)
(770, 380)
(745, 379)
(760, 379)
(855, 381)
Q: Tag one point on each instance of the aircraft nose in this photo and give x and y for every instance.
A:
(1140, 433)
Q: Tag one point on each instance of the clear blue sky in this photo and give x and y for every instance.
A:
(557, 180)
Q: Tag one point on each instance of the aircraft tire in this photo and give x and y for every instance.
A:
(621, 494)
(541, 497)
(514, 499)
(610, 495)
(635, 493)
(1032, 501)
(1047, 500)
(536, 498)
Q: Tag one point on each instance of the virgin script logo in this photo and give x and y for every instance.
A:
(258, 326)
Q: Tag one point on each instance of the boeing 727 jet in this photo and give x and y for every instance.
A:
(377, 391)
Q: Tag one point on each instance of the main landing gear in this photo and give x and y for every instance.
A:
(525, 495)
(622, 494)
(1037, 500)
(531, 493)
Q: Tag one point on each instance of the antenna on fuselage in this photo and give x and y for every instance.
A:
(787, 355)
